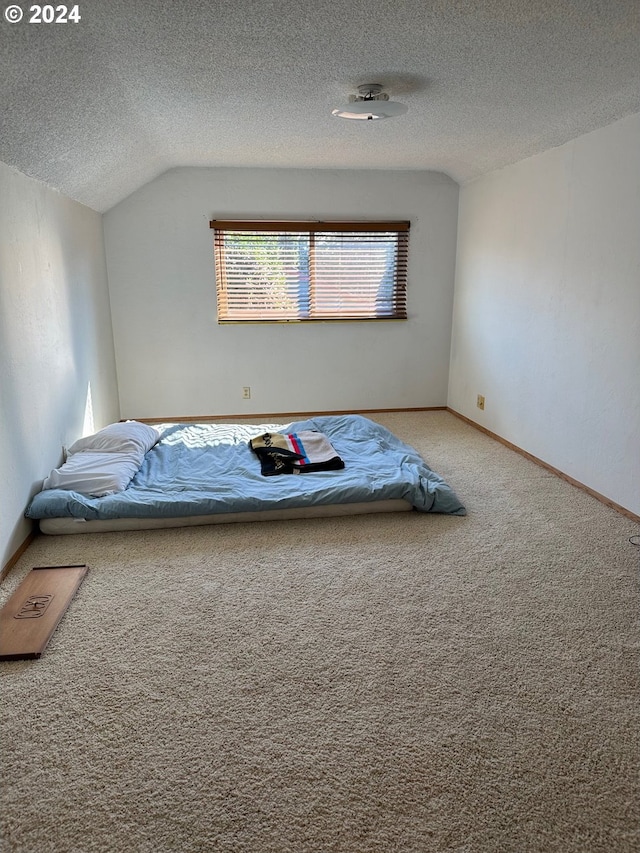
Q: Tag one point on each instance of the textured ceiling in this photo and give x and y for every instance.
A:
(97, 109)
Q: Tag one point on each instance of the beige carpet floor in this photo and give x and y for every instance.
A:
(375, 684)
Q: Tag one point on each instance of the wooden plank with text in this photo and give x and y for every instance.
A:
(32, 614)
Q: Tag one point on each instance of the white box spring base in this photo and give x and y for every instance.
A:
(79, 525)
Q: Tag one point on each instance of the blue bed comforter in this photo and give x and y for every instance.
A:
(202, 469)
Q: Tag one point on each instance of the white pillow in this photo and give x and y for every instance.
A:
(118, 438)
(95, 474)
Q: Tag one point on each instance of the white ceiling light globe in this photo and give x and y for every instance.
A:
(371, 104)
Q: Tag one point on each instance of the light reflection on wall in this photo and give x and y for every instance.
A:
(88, 426)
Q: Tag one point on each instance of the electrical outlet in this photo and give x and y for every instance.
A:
(480, 401)
(246, 393)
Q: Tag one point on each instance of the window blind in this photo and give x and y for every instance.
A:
(301, 271)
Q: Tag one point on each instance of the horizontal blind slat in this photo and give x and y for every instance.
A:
(308, 227)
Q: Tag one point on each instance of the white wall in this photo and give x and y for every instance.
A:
(174, 360)
(55, 339)
(547, 308)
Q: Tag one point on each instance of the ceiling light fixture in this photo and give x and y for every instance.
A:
(370, 104)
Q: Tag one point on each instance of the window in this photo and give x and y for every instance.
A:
(300, 271)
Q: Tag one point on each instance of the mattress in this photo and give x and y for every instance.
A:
(197, 473)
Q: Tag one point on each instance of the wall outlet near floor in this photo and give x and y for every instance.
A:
(246, 393)
(480, 401)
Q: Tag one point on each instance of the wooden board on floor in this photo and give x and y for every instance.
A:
(32, 614)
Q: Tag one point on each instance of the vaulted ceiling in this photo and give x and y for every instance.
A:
(99, 107)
